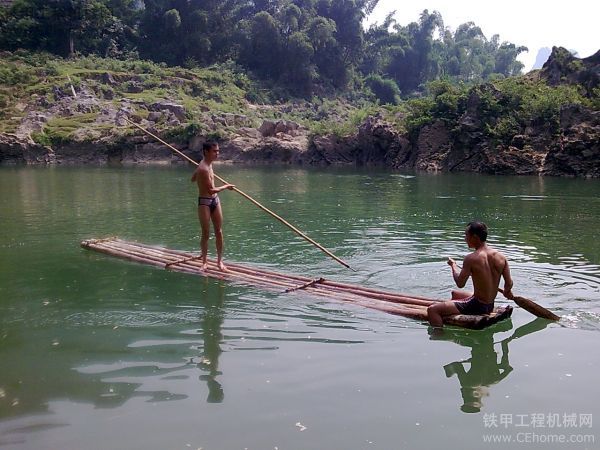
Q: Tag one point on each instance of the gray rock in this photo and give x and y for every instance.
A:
(270, 128)
(267, 128)
(23, 150)
(107, 78)
(155, 116)
(176, 109)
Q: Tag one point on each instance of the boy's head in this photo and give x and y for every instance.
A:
(478, 229)
(208, 146)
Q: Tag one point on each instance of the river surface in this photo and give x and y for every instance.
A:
(100, 353)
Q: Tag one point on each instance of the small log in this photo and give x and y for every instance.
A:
(305, 285)
(181, 261)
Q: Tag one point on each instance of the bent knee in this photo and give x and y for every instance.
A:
(432, 309)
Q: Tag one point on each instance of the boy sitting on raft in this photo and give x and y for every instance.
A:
(485, 266)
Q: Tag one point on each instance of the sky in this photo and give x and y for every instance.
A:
(573, 24)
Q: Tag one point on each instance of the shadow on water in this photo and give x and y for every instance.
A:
(483, 369)
(212, 323)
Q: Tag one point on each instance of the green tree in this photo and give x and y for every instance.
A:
(262, 48)
(413, 64)
(298, 73)
(61, 26)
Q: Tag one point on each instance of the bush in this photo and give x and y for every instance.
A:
(184, 133)
(41, 139)
(385, 89)
(420, 113)
(4, 100)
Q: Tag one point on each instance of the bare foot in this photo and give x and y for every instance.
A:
(204, 266)
(506, 313)
(221, 266)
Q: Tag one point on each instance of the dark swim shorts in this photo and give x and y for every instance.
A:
(472, 306)
(211, 202)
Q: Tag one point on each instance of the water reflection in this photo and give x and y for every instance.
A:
(483, 369)
(212, 322)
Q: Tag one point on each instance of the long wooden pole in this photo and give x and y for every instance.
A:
(243, 194)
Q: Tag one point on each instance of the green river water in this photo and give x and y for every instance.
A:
(100, 353)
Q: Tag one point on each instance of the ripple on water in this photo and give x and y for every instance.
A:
(582, 320)
(132, 319)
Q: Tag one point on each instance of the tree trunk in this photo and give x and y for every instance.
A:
(71, 44)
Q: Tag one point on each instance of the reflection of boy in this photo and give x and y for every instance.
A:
(484, 368)
(483, 372)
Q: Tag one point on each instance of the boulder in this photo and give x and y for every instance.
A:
(176, 109)
(267, 128)
(270, 127)
(379, 143)
(433, 147)
(16, 149)
(332, 150)
(154, 116)
(577, 151)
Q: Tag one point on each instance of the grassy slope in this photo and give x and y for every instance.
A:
(37, 81)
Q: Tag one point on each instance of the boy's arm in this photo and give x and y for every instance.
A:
(202, 177)
(508, 282)
(460, 276)
(195, 175)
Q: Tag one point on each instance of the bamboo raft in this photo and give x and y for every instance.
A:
(411, 306)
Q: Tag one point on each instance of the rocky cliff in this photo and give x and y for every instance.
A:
(463, 143)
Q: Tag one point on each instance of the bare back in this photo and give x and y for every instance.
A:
(487, 266)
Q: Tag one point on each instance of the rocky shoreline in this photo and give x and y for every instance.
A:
(439, 146)
(376, 143)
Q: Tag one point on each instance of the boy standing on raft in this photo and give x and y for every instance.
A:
(209, 206)
(485, 266)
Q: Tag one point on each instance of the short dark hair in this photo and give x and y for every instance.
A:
(208, 145)
(478, 229)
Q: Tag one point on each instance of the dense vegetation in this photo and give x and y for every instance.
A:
(41, 81)
(295, 47)
(504, 107)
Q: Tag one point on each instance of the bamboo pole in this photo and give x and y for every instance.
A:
(247, 197)
(321, 287)
(157, 258)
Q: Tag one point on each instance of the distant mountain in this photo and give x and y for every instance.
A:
(544, 53)
(562, 67)
(541, 58)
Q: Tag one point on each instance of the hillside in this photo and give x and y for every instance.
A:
(72, 111)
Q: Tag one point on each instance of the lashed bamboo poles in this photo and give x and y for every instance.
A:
(246, 196)
(170, 259)
(414, 311)
(398, 304)
(378, 294)
(326, 284)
